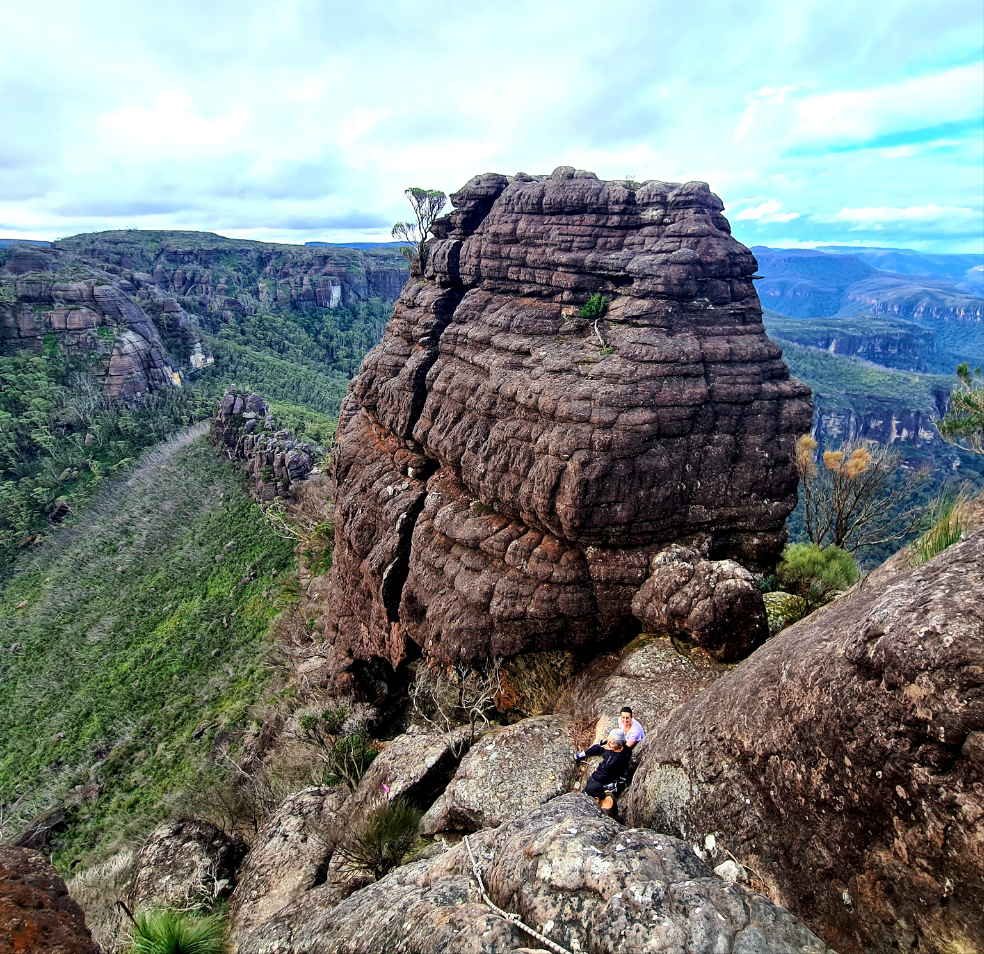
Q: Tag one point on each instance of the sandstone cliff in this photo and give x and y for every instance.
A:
(205, 266)
(508, 463)
(97, 319)
(844, 762)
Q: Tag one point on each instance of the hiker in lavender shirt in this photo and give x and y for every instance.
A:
(634, 732)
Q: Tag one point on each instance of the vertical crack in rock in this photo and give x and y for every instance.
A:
(552, 466)
(395, 575)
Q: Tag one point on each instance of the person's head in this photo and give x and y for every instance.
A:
(625, 718)
(616, 739)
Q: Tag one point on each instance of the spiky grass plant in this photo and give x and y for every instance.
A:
(177, 932)
(946, 527)
(379, 844)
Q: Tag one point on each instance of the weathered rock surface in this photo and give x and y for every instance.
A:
(652, 680)
(508, 770)
(183, 863)
(506, 468)
(37, 914)
(844, 762)
(289, 856)
(244, 427)
(415, 766)
(567, 871)
(129, 358)
(714, 603)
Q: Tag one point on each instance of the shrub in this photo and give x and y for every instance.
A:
(343, 744)
(379, 844)
(176, 932)
(816, 574)
(594, 307)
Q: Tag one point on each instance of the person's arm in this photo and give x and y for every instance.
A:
(594, 750)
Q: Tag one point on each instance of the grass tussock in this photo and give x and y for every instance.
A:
(177, 932)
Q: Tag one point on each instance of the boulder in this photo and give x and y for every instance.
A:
(652, 679)
(508, 770)
(568, 872)
(416, 767)
(508, 460)
(37, 914)
(715, 604)
(185, 863)
(843, 762)
(289, 856)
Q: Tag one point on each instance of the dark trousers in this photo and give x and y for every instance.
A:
(594, 788)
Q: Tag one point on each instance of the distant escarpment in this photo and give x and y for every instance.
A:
(130, 345)
(580, 379)
(218, 271)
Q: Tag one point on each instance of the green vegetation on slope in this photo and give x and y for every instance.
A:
(846, 384)
(59, 438)
(131, 642)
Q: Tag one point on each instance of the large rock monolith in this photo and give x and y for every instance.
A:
(514, 452)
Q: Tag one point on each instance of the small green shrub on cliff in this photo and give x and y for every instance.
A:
(380, 843)
(814, 574)
(342, 743)
(594, 307)
(177, 932)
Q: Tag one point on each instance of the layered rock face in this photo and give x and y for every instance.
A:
(507, 468)
(844, 762)
(129, 357)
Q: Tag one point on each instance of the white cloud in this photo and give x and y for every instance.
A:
(919, 101)
(885, 214)
(768, 211)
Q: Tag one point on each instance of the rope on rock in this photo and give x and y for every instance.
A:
(513, 918)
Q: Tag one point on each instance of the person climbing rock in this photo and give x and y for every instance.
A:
(614, 761)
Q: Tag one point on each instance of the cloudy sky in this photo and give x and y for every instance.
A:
(833, 122)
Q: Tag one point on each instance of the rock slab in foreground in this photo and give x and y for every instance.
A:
(506, 468)
(844, 762)
(37, 914)
(508, 770)
(568, 871)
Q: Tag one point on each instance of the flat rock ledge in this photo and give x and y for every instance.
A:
(565, 869)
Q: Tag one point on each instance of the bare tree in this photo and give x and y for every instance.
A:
(427, 205)
(455, 696)
(857, 496)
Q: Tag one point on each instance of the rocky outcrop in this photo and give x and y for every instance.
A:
(715, 604)
(415, 766)
(510, 459)
(652, 679)
(289, 856)
(570, 873)
(183, 864)
(128, 357)
(844, 762)
(244, 427)
(37, 914)
(509, 770)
